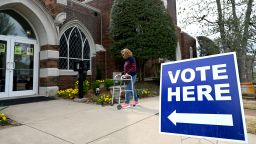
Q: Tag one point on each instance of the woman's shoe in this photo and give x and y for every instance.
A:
(135, 103)
(125, 105)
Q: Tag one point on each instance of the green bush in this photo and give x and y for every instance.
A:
(95, 84)
(108, 83)
(143, 92)
(103, 99)
(86, 85)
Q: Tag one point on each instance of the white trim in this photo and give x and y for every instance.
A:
(67, 72)
(48, 72)
(71, 72)
(48, 91)
(89, 72)
(100, 48)
(78, 24)
(33, 11)
(63, 2)
(83, 4)
(190, 52)
(11, 40)
(178, 51)
(49, 54)
(87, 1)
(60, 18)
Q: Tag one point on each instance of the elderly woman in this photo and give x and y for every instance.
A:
(129, 69)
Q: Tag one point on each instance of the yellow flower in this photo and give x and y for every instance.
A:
(4, 118)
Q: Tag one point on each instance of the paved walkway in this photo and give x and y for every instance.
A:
(67, 122)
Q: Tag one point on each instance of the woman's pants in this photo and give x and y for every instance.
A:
(128, 93)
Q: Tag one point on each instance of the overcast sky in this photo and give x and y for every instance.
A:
(190, 29)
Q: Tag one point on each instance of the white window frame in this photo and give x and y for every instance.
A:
(89, 38)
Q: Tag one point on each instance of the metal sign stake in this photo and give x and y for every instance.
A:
(182, 139)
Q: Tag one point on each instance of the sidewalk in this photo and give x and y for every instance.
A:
(67, 122)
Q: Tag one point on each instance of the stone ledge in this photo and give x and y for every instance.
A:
(80, 100)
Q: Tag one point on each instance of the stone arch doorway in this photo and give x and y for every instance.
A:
(45, 40)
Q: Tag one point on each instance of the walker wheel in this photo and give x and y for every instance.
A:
(119, 107)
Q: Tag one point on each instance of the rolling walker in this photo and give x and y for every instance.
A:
(120, 84)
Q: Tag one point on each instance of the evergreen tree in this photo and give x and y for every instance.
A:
(144, 27)
(207, 46)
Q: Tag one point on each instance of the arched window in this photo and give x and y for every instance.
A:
(74, 46)
(11, 23)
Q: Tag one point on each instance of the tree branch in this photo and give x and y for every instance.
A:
(246, 23)
(221, 26)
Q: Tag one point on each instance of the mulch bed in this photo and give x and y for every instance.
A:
(11, 123)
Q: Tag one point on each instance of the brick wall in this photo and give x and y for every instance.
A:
(49, 63)
(178, 33)
(105, 7)
(171, 9)
(65, 82)
(90, 19)
(186, 42)
(52, 7)
(100, 67)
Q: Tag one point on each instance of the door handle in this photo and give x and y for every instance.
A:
(13, 65)
(10, 66)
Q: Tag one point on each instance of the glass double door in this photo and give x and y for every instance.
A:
(18, 67)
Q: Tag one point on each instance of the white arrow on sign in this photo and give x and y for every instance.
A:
(207, 119)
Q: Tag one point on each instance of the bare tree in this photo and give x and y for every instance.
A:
(234, 23)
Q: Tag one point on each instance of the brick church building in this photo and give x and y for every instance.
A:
(41, 39)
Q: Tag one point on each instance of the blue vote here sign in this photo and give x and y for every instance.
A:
(202, 98)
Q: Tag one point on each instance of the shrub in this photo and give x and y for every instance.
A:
(103, 99)
(108, 83)
(68, 93)
(143, 92)
(85, 86)
(97, 84)
(3, 119)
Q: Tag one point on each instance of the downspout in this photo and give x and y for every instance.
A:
(101, 28)
(101, 39)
